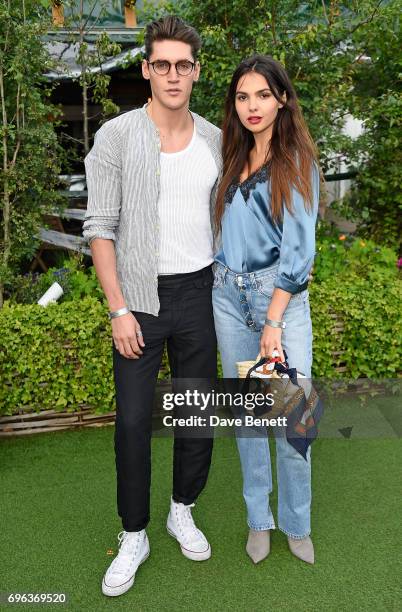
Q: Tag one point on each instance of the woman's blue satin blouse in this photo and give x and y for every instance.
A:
(252, 242)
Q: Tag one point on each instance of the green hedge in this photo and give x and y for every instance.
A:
(55, 357)
(59, 357)
(359, 282)
(370, 342)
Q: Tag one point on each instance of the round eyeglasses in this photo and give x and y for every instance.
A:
(162, 67)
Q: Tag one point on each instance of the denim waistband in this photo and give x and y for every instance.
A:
(269, 271)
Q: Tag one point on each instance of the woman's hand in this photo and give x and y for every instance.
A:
(271, 340)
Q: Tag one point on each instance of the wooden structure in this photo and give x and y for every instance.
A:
(130, 16)
(52, 420)
(58, 12)
(57, 238)
(30, 422)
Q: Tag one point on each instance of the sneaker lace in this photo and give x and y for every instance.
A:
(187, 522)
(128, 546)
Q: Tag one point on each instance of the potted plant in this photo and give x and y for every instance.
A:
(129, 13)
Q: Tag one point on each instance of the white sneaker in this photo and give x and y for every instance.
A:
(180, 524)
(134, 550)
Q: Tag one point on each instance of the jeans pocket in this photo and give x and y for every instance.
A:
(302, 296)
(298, 300)
(265, 286)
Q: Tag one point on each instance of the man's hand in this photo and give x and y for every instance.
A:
(125, 329)
(127, 336)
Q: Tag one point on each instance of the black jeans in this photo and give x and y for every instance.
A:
(186, 323)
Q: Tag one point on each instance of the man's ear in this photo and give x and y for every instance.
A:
(197, 70)
(145, 69)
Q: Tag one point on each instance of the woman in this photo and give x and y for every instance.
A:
(266, 209)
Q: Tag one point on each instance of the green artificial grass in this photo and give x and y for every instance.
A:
(59, 519)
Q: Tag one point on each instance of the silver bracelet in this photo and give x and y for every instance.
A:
(118, 313)
(272, 323)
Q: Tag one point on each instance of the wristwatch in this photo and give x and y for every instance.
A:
(272, 323)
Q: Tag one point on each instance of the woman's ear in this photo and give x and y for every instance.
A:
(284, 100)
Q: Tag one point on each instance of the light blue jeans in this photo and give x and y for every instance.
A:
(240, 304)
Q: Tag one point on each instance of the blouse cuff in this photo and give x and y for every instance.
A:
(288, 285)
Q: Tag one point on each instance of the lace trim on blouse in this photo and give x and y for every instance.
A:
(246, 187)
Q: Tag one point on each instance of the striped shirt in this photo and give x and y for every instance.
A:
(123, 179)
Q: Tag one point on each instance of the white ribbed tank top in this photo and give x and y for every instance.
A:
(187, 179)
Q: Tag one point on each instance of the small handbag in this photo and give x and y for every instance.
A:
(271, 376)
(275, 378)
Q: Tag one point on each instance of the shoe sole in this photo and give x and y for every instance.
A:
(190, 554)
(116, 591)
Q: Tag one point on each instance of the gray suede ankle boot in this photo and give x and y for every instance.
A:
(303, 549)
(258, 545)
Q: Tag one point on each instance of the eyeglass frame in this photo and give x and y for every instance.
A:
(193, 64)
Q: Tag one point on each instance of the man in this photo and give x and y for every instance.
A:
(152, 175)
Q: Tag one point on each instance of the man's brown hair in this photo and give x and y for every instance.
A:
(171, 28)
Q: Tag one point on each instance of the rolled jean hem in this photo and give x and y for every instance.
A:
(178, 499)
(259, 528)
(292, 535)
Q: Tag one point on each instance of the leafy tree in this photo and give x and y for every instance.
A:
(28, 144)
(80, 20)
(376, 199)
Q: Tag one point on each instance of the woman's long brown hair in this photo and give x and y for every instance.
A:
(292, 150)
